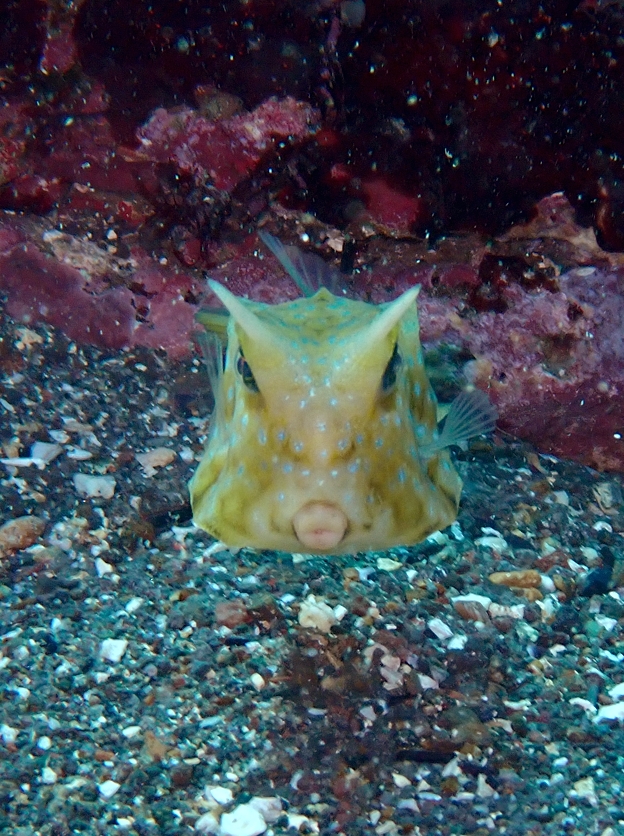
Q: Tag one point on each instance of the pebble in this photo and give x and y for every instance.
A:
(8, 734)
(400, 781)
(522, 578)
(387, 564)
(44, 452)
(20, 533)
(610, 712)
(222, 795)
(208, 823)
(270, 807)
(244, 820)
(131, 731)
(103, 568)
(113, 649)
(133, 605)
(98, 486)
(617, 692)
(258, 681)
(107, 789)
(48, 775)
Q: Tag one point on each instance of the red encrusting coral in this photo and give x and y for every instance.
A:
(223, 152)
(154, 145)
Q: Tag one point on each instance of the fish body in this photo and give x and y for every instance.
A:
(324, 438)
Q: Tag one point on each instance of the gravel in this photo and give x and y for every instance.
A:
(153, 682)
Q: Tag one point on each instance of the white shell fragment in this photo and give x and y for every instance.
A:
(98, 486)
(243, 821)
(472, 597)
(439, 628)
(113, 649)
(316, 614)
(153, 459)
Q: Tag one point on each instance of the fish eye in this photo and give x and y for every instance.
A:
(244, 370)
(390, 374)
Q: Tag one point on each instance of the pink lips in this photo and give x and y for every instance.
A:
(320, 525)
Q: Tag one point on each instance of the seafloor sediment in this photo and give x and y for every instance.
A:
(154, 684)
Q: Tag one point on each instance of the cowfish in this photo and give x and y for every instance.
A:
(324, 435)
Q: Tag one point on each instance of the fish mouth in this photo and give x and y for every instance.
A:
(320, 526)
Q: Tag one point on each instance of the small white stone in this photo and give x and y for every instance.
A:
(497, 544)
(8, 734)
(79, 454)
(222, 795)
(48, 775)
(113, 649)
(243, 821)
(107, 789)
(452, 769)
(610, 712)
(617, 692)
(96, 486)
(257, 681)
(316, 614)
(133, 605)
(473, 598)
(131, 731)
(586, 705)
(269, 807)
(103, 568)
(484, 790)
(44, 451)
(585, 788)
(400, 781)
(427, 682)
(607, 623)
(44, 743)
(208, 823)
(387, 564)
(503, 610)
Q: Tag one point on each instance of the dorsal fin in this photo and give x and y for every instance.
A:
(307, 270)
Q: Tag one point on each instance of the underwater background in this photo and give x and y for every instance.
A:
(154, 681)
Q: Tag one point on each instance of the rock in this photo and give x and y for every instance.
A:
(96, 486)
(20, 533)
(112, 650)
(244, 820)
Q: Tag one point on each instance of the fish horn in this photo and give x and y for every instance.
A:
(388, 318)
(251, 324)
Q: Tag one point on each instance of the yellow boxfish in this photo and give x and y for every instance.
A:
(324, 436)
